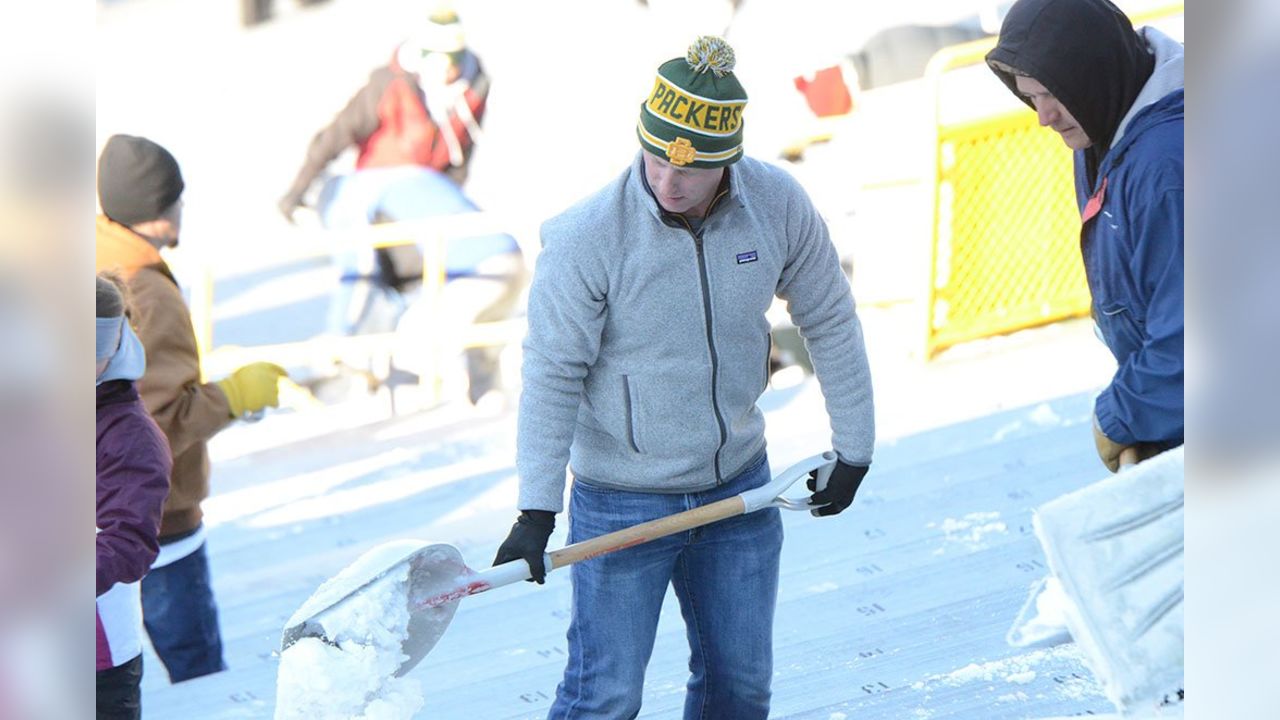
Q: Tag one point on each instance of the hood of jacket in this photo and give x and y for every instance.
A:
(1166, 78)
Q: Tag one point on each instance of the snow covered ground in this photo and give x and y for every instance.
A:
(897, 608)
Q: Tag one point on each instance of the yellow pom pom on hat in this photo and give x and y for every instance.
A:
(693, 115)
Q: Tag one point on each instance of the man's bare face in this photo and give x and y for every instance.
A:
(1053, 114)
(682, 190)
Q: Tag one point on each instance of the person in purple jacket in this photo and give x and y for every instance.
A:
(133, 481)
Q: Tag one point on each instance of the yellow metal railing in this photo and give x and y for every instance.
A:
(430, 234)
(1005, 248)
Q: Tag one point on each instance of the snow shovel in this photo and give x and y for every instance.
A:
(1115, 552)
(438, 578)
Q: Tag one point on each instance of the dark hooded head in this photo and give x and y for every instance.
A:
(1085, 52)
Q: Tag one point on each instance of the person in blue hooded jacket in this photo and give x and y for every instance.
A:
(1115, 95)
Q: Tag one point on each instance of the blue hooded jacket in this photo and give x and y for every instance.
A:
(1133, 257)
(1125, 89)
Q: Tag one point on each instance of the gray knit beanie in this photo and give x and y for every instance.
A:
(137, 180)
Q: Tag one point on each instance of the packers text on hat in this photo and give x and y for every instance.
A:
(692, 112)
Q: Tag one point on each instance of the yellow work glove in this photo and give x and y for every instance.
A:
(252, 388)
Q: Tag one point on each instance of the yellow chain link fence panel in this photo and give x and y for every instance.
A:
(1007, 249)
(1006, 235)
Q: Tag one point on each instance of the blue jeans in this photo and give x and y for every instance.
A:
(181, 618)
(725, 576)
(392, 194)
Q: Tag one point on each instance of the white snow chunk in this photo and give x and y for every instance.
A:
(1019, 669)
(1049, 624)
(1044, 416)
(353, 678)
(972, 530)
(1006, 430)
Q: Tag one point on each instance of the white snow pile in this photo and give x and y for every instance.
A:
(354, 676)
(1042, 416)
(1019, 670)
(1043, 619)
(971, 531)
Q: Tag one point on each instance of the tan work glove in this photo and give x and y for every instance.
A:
(1114, 454)
(1108, 450)
(252, 388)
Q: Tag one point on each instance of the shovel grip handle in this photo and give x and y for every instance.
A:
(644, 532)
(1128, 457)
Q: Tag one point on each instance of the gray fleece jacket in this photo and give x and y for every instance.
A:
(648, 344)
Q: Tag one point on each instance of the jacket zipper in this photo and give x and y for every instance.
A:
(711, 345)
(768, 356)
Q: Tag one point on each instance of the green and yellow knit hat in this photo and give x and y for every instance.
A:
(693, 115)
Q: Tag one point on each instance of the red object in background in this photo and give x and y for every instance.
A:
(827, 94)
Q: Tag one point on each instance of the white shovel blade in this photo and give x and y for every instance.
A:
(1116, 546)
(432, 569)
(438, 576)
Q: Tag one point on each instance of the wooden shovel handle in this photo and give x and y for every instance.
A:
(643, 533)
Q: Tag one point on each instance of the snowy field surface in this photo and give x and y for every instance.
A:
(896, 609)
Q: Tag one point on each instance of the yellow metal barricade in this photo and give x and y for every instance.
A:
(1006, 229)
(1006, 250)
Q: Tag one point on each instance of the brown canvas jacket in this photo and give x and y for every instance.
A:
(188, 411)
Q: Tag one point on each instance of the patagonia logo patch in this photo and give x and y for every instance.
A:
(747, 257)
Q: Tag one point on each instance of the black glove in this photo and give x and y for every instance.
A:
(841, 486)
(528, 540)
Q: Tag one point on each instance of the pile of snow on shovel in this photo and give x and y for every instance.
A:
(353, 677)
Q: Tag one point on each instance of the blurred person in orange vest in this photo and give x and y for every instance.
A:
(140, 190)
(418, 117)
(414, 124)
(423, 108)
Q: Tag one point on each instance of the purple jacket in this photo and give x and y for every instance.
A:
(133, 481)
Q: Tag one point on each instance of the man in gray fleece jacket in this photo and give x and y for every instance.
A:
(648, 348)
